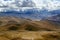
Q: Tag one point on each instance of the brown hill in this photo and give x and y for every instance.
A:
(18, 24)
(13, 28)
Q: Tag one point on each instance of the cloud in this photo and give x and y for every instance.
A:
(18, 5)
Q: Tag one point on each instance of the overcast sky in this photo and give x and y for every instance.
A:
(48, 4)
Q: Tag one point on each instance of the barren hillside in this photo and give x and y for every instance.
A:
(13, 28)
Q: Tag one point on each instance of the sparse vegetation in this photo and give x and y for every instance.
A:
(31, 28)
(13, 28)
(0, 22)
(51, 37)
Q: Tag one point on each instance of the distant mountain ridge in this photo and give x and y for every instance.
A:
(34, 14)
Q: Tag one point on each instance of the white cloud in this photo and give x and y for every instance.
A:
(48, 4)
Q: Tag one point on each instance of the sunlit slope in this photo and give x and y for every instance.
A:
(42, 35)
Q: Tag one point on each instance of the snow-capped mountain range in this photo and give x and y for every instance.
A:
(32, 9)
(33, 14)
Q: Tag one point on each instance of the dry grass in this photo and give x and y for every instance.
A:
(43, 35)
